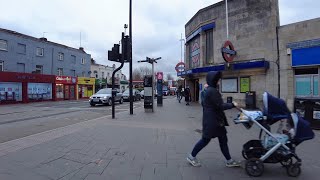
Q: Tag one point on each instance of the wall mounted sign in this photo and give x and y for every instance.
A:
(228, 52)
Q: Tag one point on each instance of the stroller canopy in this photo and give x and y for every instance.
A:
(274, 108)
(302, 129)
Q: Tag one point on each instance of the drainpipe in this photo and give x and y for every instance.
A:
(278, 60)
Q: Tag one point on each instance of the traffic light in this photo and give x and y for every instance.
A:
(126, 50)
(114, 54)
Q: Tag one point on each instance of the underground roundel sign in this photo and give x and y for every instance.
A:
(180, 67)
(228, 52)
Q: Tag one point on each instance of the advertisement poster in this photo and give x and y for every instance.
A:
(244, 84)
(39, 91)
(229, 85)
(10, 91)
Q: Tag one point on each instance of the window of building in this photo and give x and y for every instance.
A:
(209, 46)
(60, 72)
(102, 74)
(73, 59)
(1, 66)
(83, 60)
(39, 51)
(22, 48)
(108, 74)
(307, 82)
(73, 72)
(39, 69)
(3, 45)
(60, 56)
(21, 67)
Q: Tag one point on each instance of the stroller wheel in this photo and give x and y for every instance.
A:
(244, 155)
(286, 163)
(293, 170)
(254, 167)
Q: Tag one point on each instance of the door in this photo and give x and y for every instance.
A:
(72, 92)
(67, 92)
(197, 89)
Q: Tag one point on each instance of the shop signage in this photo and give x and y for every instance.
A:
(66, 80)
(26, 77)
(228, 52)
(159, 75)
(180, 67)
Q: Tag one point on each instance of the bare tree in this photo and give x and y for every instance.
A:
(139, 73)
(170, 77)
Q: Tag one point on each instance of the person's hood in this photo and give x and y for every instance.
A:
(213, 78)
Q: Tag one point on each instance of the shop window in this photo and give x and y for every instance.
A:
(39, 51)
(10, 91)
(60, 72)
(3, 45)
(39, 69)
(59, 91)
(39, 91)
(60, 56)
(209, 46)
(307, 85)
(1, 65)
(22, 48)
(73, 59)
(229, 85)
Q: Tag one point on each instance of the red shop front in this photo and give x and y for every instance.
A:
(66, 87)
(24, 87)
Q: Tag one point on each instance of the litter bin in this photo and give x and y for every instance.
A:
(229, 99)
(251, 100)
(309, 109)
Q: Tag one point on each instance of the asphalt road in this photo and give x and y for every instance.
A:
(20, 120)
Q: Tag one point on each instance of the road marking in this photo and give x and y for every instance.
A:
(42, 137)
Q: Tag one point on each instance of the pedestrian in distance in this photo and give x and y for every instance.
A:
(187, 95)
(214, 121)
(179, 93)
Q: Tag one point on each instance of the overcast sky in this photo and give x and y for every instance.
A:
(157, 24)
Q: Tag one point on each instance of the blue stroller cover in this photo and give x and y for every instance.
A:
(274, 108)
(302, 128)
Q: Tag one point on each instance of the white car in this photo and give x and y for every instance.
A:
(104, 96)
(142, 94)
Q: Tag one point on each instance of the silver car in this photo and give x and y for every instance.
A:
(136, 95)
(104, 96)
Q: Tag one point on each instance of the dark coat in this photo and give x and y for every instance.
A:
(187, 94)
(214, 119)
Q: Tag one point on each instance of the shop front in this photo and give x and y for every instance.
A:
(86, 87)
(65, 87)
(24, 87)
(100, 84)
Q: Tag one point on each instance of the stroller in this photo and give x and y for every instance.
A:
(274, 148)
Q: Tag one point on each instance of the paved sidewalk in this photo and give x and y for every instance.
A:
(143, 146)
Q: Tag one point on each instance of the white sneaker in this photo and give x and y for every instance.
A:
(193, 161)
(233, 163)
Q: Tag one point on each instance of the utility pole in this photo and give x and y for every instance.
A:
(130, 56)
(227, 19)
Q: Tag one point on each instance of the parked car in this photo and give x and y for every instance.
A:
(136, 95)
(104, 96)
(165, 91)
(142, 94)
